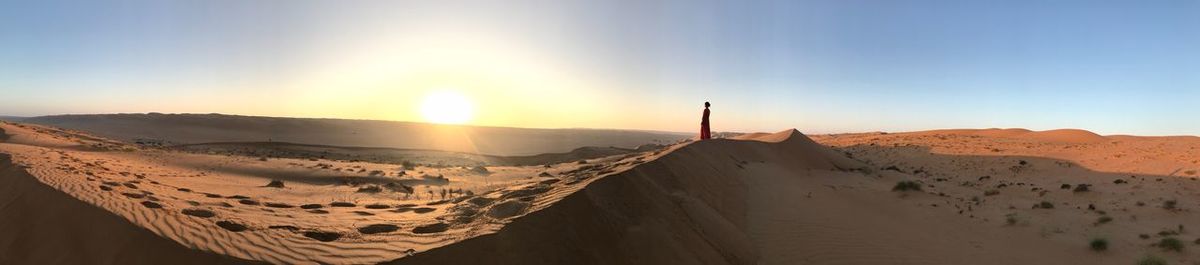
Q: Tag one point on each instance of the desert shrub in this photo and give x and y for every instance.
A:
(1170, 244)
(1081, 188)
(1011, 219)
(1099, 244)
(1170, 204)
(408, 165)
(1103, 220)
(991, 192)
(907, 185)
(1144, 236)
(1152, 260)
(480, 170)
(1045, 205)
(1065, 186)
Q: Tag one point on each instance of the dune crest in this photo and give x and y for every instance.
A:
(688, 206)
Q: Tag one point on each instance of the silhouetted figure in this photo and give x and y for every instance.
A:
(704, 130)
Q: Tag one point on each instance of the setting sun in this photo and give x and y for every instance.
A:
(447, 107)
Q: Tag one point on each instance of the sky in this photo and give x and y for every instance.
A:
(1113, 67)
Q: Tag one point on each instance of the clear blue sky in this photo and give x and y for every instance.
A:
(1114, 67)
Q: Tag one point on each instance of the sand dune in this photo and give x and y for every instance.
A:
(1058, 136)
(175, 129)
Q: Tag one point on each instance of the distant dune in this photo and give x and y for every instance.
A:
(172, 129)
(1058, 136)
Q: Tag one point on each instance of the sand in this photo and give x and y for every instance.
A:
(766, 198)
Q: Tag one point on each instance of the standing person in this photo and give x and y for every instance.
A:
(704, 129)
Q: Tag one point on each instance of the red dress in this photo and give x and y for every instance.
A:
(704, 131)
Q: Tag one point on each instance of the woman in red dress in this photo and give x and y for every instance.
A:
(704, 131)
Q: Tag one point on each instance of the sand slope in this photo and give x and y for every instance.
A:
(41, 225)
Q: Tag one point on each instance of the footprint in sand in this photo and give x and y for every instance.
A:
(312, 206)
(378, 228)
(377, 206)
(239, 197)
(184, 189)
(481, 201)
(431, 228)
(130, 185)
(285, 227)
(202, 213)
(278, 205)
(210, 195)
(151, 205)
(363, 213)
(507, 209)
(231, 226)
(105, 188)
(342, 204)
(318, 211)
(248, 202)
(423, 210)
(323, 236)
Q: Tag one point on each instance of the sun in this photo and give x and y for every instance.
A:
(447, 107)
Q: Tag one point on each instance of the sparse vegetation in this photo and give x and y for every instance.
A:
(907, 185)
(408, 165)
(480, 170)
(275, 183)
(1081, 188)
(1170, 204)
(1099, 244)
(1103, 220)
(1010, 219)
(991, 192)
(1044, 205)
(1171, 244)
(1152, 260)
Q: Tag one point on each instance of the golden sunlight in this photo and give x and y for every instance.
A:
(447, 107)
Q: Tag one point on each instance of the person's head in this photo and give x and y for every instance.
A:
(706, 104)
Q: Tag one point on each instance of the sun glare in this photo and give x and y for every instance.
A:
(447, 107)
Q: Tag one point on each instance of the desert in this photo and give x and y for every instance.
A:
(766, 198)
(659, 132)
